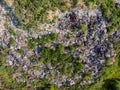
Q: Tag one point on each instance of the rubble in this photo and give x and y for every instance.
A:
(94, 51)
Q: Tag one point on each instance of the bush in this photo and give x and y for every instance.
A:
(111, 13)
(11, 31)
(31, 13)
(31, 44)
(87, 76)
(44, 39)
(12, 41)
(20, 51)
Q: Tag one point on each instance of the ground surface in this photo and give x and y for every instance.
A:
(77, 49)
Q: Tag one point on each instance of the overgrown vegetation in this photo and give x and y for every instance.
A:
(110, 78)
(110, 12)
(6, 78)
(35, 12)
(44, 39)
(32, 13)
(63, 62)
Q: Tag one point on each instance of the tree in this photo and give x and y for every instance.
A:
(110, 84)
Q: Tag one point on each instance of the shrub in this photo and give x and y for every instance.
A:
(20, 51)
(31, 44)
(12, 41)
(31, 13)
(11, 31)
